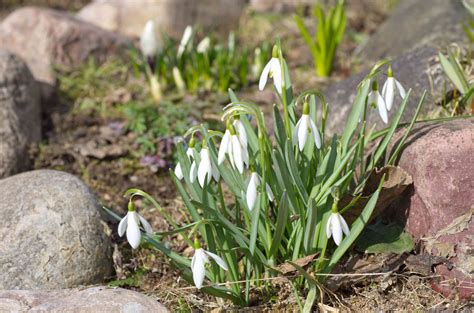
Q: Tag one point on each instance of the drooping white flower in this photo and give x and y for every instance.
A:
(188, 31)
(388, 90)
(148, 42)
(231, 145)
(376, 100)
(198, 265)
(131, 225)
(335, 227)
(241, 132)
(206, 169)
(304, 127)
(273, 70)
(203, 45)
(178, 171)
(252, 189)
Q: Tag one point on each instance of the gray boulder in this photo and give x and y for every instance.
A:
(94, 299)
(51, 235)
(415, 24)
(418, 69)
(20, 114)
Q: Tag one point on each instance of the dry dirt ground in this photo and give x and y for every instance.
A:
(74, 143)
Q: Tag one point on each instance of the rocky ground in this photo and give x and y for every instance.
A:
(60, 112)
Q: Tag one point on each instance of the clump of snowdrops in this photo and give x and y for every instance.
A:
(258, 198)
(186, 66)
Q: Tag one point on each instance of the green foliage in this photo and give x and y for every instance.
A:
(150, 122)
(218, 67)
(306, 186)
(330, 28)
(381, 238)
(464, 88)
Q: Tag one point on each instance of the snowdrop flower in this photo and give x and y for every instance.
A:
(178, 171)
(185, 39)
(203, 46)
(240, 130)
(148, 42)
(336, 226)
(198, 264)
(388, 90)
(254, 183)
(376, 100)
(306, 126)
(273, 70)
(206, 170)
(232, 146)
(131, 225)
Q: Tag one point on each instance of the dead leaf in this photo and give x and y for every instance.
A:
(93, 149)
(288, 269)
(423, 263)
(446, 249)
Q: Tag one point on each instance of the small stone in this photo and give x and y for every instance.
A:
(51, 235)
(20, 114)
(46, 38)
(171, 16)
(93, 299)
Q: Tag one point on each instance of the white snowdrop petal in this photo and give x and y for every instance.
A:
(241, 132)
(237, 153)
(344, 226)
(224, 148)
(204, 169)
(264, 76)
(315, 133)
(133, 231)
(389, 95)
(190, 153)
(218, 260)
(400, 88)
(303, 132)
(198, 267)
(145, 224)
(178, 171)
(277, 76)
(122, 227)
(295, 133)
(193, 172)
(336, 230)
(329, 227)
(384, 88)
(381, 107)
(251, 195)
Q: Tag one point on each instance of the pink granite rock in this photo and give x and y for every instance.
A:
(438, 209)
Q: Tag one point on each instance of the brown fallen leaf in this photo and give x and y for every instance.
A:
(288, 269)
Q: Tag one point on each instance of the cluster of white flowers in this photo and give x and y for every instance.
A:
(234, 148)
